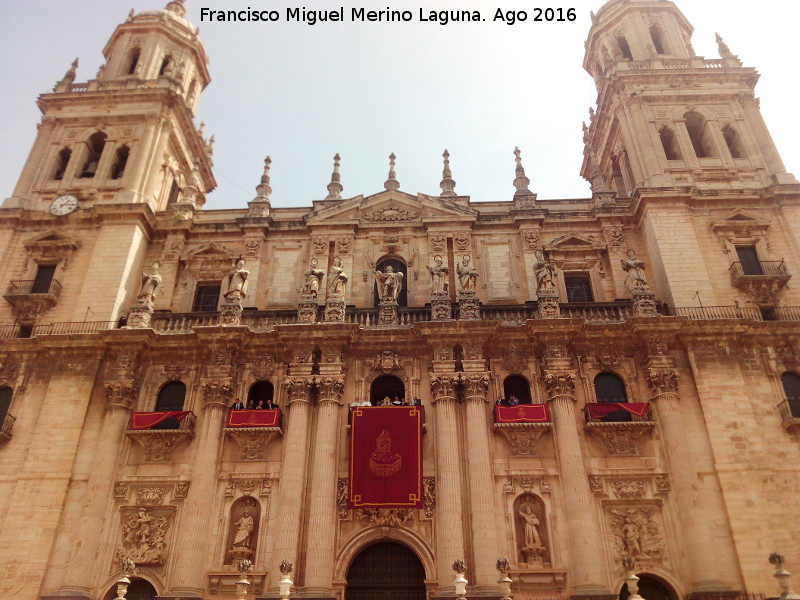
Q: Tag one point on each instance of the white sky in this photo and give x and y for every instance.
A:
(301, 93)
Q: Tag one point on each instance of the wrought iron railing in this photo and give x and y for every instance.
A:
(769, 268)
(31, 286)
(8, 425)
(73, 328)
(705, 313)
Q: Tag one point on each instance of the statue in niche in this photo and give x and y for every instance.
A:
(313, 279)
(467, 274)
(635, 268)
(530, 517)
(439, 273)
(337, 278)
(545, 273)
(235, 283)
(243, 530)
(389, 282)
(150, 285)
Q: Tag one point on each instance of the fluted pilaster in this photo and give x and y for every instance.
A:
(585, 548)
(450, 514)
(321, 534)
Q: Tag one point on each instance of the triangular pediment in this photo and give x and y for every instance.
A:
(211, 250)
(739, 219)
(389, 207)
(51, 238)
(574, 241)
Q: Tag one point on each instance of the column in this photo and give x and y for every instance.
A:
(481, 484)
(322, 497)
(449, 511)
(191, 548)
(293, 469)
(586, 553)
(82, 570)
(701, 555)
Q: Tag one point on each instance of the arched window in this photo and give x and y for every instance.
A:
(133, 62)
(165, 66)
(386, 385)
(174, 193)
(609, 388)
(94, 147)
(698, 133)
(657, 35)
(734, 142)
(398, 266)
(60, 166)
(171, 396)
(5, 402)
(518, 387)
(791, 387)
(624, 48)
(260, 391)
(120, 161)
(670, 143)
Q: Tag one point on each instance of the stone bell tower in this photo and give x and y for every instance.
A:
(667, 117)
(127, 135)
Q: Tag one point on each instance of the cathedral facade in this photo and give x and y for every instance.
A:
(601, 387)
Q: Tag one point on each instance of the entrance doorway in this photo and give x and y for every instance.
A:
(386, 571)
(650, 587)
(139, 589)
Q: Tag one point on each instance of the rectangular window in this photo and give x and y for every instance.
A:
(206, 298)
(43, 279)
(749, 260)
(579, 288)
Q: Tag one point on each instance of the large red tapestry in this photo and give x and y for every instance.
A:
(386, 457)
(146, 420)
(522, 413)
(602, 409)
(253, 418)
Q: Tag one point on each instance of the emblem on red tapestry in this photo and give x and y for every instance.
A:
(383, 462)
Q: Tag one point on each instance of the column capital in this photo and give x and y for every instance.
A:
(217, 391)
(299, 388)
(330, 389)
(443, 386)
(120, 393)
(560, 384)
(662, 380)
(475, 385)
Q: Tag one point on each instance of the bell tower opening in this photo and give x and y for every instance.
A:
(386, 571)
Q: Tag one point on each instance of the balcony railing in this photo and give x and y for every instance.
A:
(8, 425)
(710, 313)
(9, 332)
(599, 312)
(618, 412)
(30, 287)
(174, 420)
(770, 268)
(790, 412)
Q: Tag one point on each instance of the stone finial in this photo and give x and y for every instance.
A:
(503, 566)
(263, 190)
(128, 567)
(459, 566)
(335, 186)
(176, 7)
(392, 183)
(783, 576)
(521, 182)
(65, 83)
(448, 184)
(286, 567)
(724, 51)
(131, 14)
(244, 567)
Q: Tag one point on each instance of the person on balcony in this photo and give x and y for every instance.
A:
(238, 405)
(260, 405)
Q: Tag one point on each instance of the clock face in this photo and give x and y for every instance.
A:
(63, 205)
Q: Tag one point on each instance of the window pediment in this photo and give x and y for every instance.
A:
(51, 247)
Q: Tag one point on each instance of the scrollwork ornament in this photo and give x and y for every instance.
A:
(662, 381)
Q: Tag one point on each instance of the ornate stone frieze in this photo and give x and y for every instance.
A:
(159, 444)
(636, 531)
(523, 437)
(629, 489)
(144, 535)
(151, 496)
(390, 214)
(621, 439)
(662, 381)
(253, 441)
(559, 383)
(385, 517)
(429, 496)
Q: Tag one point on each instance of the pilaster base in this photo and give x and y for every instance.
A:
(307, 309)
(441, 307)
(334, 309)
(644, 303)
(548, 304)
(469, 308)
(387, 312)
(139, 316)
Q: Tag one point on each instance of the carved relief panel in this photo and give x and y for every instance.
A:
(146, 535)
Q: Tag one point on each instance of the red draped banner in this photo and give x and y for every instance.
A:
(386, 457)
(253, 418)
(146, 420)
(522, 413)
(602, 409)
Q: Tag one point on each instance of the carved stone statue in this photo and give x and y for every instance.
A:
(143, 538)
(532, 537)
(313, 279)
(635, 268)
(467, 274)
(390, 284)
(244, 531)
(337, 278)
(150, 284)
(439, 274)
(235, 283)
(545, 273)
